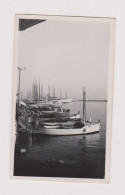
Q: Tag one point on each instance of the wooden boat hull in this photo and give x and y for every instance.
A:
(59, 123)
(92, 128)
(51, 126)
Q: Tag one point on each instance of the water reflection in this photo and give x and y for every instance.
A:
(59, 147)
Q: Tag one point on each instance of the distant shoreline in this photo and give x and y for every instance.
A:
(94, 100)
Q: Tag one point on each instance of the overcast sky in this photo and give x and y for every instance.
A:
(71, 54)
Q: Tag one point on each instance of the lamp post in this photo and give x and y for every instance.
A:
(20, 69)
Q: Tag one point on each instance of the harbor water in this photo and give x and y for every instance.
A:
(77, 156)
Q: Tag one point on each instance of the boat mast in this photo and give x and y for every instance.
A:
(21, 95)
(49, 89)
(39, 89)
(57, 92)
(60, 94)
(54, 98)
(84, 105)
(66, 101)
(42, 90)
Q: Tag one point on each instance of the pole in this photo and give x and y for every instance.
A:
(39, 89)
(19, 86)
(84, 106)
(57, 92)
(19, 96)
(49, 89)
(42, 90)
(54, 98)
(18, 99)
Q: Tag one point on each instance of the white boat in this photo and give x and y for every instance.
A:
(79, 128)
(51, 126)
(87, 129)
(70, 123)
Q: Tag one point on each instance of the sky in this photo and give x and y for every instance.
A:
(66, 54)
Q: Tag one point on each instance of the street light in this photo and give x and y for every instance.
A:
(20, 69)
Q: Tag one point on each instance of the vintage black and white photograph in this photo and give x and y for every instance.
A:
(62, 97)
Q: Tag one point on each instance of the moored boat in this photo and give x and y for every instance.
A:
(78, 128)
(51, 126)
(87, 129)
(62, 123)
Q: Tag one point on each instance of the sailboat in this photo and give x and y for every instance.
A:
(87, 129)
(78, 128)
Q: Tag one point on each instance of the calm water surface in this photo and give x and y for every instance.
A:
(84, 154)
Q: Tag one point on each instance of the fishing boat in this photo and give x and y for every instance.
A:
(51, 126)
(87, 129)
(78, 128)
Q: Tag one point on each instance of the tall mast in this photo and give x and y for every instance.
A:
(54, 97)
(39, 89)
(60, 94)
(36, 90)
(42, 90)
(49, 88)
(84, 105)
(33, 89)
(21, 95)
(57, 92)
